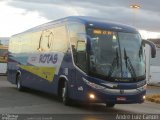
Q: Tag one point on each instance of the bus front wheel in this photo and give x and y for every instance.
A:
(18, 83)
(65, 97)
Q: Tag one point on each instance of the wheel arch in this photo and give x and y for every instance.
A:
(18, 74)
(61, 82)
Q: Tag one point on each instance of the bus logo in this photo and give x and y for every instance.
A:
(48, 58)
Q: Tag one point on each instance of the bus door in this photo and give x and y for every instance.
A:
(80, 59)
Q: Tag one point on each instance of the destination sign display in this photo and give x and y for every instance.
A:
(102, 32)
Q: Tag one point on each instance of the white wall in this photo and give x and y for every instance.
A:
(155, 68)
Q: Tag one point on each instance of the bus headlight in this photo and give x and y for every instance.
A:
(144, 97)
(91, 96)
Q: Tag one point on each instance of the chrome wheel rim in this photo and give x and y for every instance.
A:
(64, 94)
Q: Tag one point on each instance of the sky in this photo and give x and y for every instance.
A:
(19, 15)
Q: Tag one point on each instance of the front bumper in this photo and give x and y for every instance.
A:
(101, 97)
(127, 95)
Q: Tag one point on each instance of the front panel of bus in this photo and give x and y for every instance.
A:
(110, 66)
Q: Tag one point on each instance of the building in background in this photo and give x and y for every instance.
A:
(3, 54)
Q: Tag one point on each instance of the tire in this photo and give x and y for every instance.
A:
(64, 95)
(18, 83)
(110, 105)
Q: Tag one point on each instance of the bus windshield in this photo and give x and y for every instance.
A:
(116, 56)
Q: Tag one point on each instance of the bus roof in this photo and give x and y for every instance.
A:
(87, 20)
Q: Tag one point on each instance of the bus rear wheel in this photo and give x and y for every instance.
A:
(110, 105)
(64, 95)
(18, 83)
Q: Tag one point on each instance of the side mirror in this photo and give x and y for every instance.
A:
(153, 47)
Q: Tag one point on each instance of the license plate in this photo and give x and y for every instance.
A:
(121, 99)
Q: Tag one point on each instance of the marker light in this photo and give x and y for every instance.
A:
(91, 96)
(135, 6)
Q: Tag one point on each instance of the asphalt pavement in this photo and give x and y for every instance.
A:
(38, 103)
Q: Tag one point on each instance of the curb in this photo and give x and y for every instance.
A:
(154, 84)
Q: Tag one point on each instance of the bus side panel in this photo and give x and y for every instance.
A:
(33, 81)
(41, 72)
(11, 70)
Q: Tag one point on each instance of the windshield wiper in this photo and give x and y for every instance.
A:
(113, 65)
(129, 65)
(140, 52)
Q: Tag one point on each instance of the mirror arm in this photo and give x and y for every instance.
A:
(153, 47)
